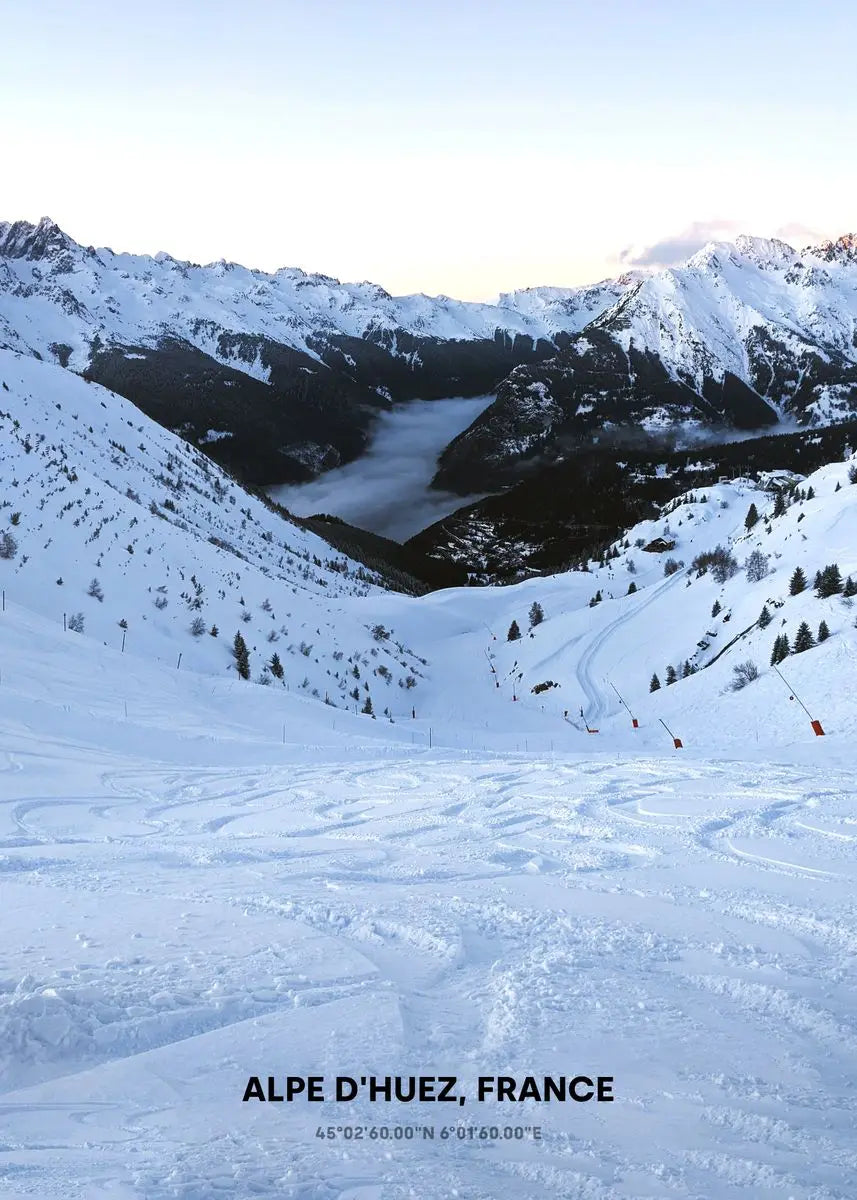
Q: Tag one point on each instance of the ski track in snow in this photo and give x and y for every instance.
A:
(437, 914)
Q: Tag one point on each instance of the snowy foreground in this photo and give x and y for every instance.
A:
(188, 902)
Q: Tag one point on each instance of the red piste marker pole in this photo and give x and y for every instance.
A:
(816, 725)
(677, 742)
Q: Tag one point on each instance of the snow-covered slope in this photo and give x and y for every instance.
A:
(743, 336)
(183, 558)
(623, 639)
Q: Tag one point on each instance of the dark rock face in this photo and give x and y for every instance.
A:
(306, 419)
(815, 384)
(570, 510)
(594, 392)
(407, 367)
(309, 416)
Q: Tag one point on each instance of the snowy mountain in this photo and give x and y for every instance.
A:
(280, 376)
(742, 337)
(277, 375)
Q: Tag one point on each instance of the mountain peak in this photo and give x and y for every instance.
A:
(842, 249)
(765, 251)
(22, 239)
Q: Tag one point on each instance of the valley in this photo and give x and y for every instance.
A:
(387, 489)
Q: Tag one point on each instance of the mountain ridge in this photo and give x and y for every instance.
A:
(743, 336)
(280, 376)
(315, 359)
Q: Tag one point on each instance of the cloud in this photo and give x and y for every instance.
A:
(680, 246)
(386, 490)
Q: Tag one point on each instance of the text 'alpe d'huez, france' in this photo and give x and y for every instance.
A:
(263, 815)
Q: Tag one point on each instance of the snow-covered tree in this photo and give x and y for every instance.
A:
(797, 583)
(654, 684)
(241, 655)
(780, 650)
(756, 566)
(514, 632)
(829, 581)
(803, 639)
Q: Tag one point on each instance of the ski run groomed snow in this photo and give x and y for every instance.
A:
(205, 879)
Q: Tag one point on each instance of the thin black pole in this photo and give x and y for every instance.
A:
(794, 693)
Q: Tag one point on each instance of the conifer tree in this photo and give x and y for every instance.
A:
(780, 650)
(632, 587)
(765, 617)
(850, 588)
(514, 632)
(367, 706)
(715, 608)
(823, 632)
(686, 669)
(797, 583)
(803, 639)
(276, 667)
(242, 656)
(537, 613)
(779, 505)
(829, 581)
(654, 684)
(751, 517)
(671, 674)
(810, 493)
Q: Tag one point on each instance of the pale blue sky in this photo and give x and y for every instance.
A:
(461, 147)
